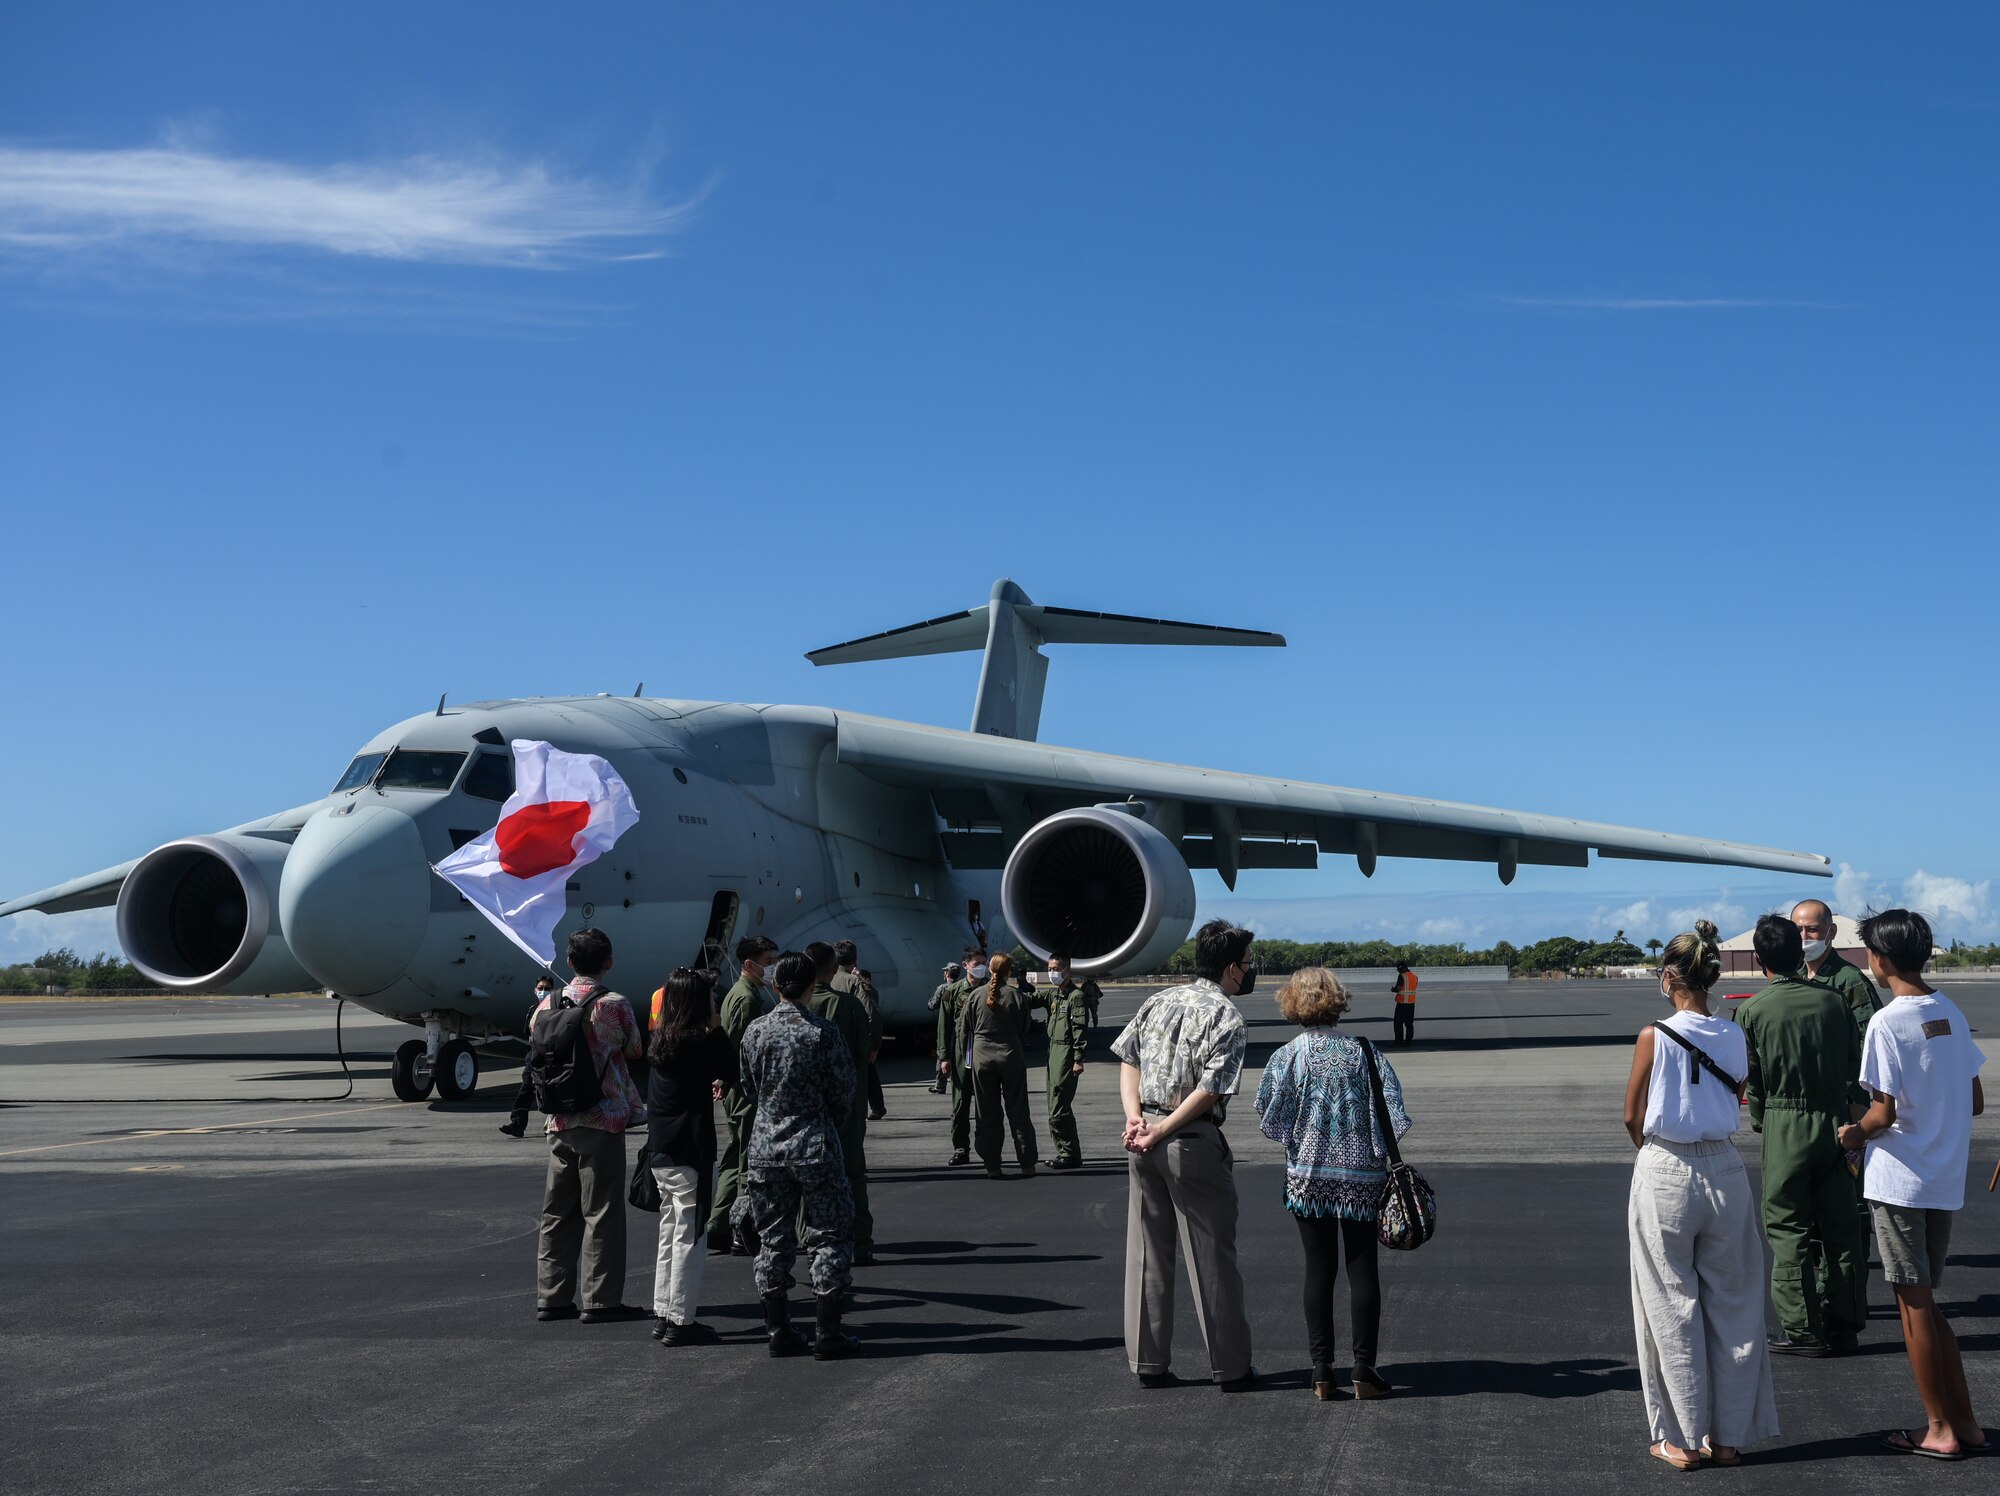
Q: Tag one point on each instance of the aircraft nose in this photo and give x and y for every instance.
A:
(356, 896)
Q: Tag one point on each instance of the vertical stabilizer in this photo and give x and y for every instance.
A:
(1012, 628)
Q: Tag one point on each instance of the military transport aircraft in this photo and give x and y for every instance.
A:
(802, 823)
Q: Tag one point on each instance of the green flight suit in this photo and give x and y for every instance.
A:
(1803, 1049)
(951, 1049)
(1854, 986)
(847, 1014)
(745, 1004)
(996, 1031)
(1069, 1038)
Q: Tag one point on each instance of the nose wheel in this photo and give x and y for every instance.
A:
(411, 1073)
(457, 1070)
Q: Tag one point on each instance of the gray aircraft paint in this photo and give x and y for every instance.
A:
(823, 824)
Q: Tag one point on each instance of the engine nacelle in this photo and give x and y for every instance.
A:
(201, 915)
(1103, 886)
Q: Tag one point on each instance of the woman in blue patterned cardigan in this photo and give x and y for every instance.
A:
(1315, 1099)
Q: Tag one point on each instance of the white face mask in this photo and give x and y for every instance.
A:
(1815, 950)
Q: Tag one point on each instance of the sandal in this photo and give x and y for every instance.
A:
(1730, 1462)
(1659, 1452)
(1902, 1441)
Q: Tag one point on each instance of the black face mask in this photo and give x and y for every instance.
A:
(1249, 982)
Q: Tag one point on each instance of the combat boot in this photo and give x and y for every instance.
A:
(830, 1342)
(785, 1341)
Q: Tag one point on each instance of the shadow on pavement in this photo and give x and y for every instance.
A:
(1546, 1379)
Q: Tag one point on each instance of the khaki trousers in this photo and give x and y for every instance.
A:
(1185, 1186)
(583, 1211)
(1698, 1296)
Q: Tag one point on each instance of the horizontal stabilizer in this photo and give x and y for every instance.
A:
(1011, 628)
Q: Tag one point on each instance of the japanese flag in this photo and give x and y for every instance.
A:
(567, 810)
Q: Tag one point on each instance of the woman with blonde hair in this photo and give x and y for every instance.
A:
(1317, 1099)
(992, 1025)
(1697, 1252)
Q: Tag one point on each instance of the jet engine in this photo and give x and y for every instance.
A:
(201, 915)
(1102, 885)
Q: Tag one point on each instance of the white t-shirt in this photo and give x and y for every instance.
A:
(1682, 1109)
(1920, 1051)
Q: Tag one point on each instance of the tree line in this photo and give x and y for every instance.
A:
(66, 971)
(1557, 953)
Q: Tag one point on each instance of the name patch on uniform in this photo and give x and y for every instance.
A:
(1937, 1028)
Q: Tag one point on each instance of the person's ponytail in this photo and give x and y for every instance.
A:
(996, 978)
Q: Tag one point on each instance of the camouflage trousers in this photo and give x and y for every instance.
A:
(817, 1195)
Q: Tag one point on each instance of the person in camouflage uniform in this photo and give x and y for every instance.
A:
(1071, 1005)
(800, 1080)
(729, 1226)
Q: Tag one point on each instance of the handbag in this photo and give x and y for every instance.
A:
(645, 1191)
(1409, 1204)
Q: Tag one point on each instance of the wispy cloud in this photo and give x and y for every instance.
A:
(1665, 303)
(427, 208)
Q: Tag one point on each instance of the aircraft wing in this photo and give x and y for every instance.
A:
(1229, 821)
(100, 890)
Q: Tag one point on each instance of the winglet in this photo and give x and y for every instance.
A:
(1011, 628)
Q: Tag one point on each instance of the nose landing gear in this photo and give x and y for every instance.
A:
(448, 1063)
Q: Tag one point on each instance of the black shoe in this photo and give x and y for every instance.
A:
(1843, 1342)
(1784, 1345)
(993, 1172)
(556, 1311)
(830, 1342)
(878, 1116)
(1063, 1164)
(785, 1341)
(1028, 1170)
(721, 1242)
(515, 1127)
(1240, 1384)
(1369, 1383)
(694, 1332)
(960, 1157)
(1154, 1380)
(661, 1324)
(614, 1314)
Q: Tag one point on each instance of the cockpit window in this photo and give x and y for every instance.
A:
(409, 769)
(491, 776)
(359, 772)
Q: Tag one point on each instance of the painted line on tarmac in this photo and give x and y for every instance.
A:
(182, 1132)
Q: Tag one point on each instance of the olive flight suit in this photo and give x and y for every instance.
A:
(951, 1049)
(1069, 1037)
(1852, 983)
(845, 1012)
(745, 1004)
(1803, 1051)
(997, 1030)
(851, 981)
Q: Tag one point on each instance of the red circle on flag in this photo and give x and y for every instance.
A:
(538, 839)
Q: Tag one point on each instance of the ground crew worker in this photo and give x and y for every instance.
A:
(1405, 1030)
(1070, 1005)
(729, 1225)
(800, 1079)
(941, 1041)
(851, 978)
(1802, 1049)
(845, 1012)
(1825, 964)
(952, 1066)
(995, 1022)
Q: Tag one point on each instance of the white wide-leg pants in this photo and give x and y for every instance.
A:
(1698, 1296)
(677, 1276)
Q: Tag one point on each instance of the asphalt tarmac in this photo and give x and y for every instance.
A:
(303, 1294)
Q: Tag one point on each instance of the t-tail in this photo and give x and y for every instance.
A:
(1011, 628)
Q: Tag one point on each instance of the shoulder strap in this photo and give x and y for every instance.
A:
(1701, 1059)
(1381, 1103)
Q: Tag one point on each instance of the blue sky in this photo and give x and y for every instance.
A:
(1601, 402)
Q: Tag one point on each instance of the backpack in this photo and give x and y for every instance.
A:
(566, 1078)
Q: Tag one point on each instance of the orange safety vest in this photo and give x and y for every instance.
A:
(1406, 987)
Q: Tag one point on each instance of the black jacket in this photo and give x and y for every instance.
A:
(680, 1100)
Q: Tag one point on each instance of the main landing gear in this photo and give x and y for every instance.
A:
(449, 1064)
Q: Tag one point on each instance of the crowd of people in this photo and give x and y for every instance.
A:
(1863, 1109)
